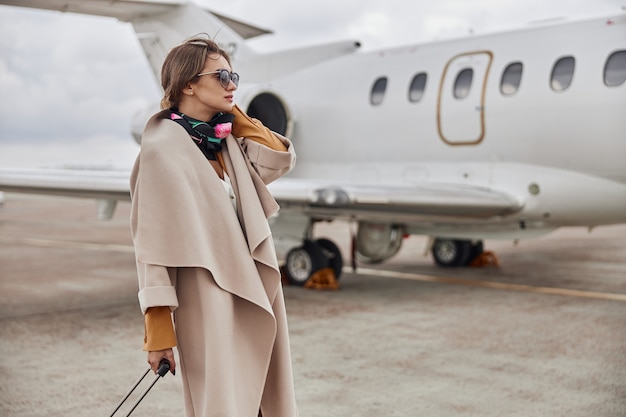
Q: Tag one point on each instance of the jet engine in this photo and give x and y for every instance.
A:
(377, 242)
(269, 107)
(272, 112)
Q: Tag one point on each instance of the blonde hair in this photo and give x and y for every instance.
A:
(182, 66)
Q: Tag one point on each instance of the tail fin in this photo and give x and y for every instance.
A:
(160, 25)
(158, 33)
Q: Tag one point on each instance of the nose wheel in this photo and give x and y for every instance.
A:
(455, 252)
(313, 255)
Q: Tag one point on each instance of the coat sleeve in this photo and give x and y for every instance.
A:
(157, 299)
(269, 163)
(156, 286)
(271, 154)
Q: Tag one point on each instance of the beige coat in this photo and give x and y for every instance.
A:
(219, 265)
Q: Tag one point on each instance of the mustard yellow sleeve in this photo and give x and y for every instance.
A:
(247, 127)
(159, 329)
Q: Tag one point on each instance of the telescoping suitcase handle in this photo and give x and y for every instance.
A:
(164, 366)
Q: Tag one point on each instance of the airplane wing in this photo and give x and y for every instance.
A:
(427, 201)
(316, 198)
(106, 186)
(100, 184)
(131, 10)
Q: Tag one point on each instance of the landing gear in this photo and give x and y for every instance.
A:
(313, 255)
(333, 254)
(455, 252)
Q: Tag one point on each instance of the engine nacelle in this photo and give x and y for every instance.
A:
(268, 106)
(377, 242)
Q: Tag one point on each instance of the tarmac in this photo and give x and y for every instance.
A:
(543, 334)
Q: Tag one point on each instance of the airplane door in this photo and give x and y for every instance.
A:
(461, 106)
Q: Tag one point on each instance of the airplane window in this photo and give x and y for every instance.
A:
(417, 87)
(378, 91)
(511, 78)
(615, 69)
(463, 83)
(562, 73)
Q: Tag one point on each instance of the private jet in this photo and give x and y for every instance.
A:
(508, 135)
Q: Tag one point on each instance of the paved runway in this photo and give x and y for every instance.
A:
(542, 335)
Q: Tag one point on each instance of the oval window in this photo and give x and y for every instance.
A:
(562, 73)
(463, 83)
(417, 87)
(511, 79)
(378, 91)
(615, 69)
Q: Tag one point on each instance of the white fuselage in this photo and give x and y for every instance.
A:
(559, 152)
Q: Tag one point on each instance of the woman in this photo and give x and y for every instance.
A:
(203, 244)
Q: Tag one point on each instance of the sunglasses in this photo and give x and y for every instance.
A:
(224, 76)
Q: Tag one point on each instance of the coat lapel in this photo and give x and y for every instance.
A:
(255, 204)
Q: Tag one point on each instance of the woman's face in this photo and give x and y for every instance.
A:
(206, 97)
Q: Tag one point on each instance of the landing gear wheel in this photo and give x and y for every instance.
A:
(303, 261)
(333, 254)
(451, 252)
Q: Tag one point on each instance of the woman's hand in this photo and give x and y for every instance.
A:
(154, 357)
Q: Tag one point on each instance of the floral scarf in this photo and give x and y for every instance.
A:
(207, 135)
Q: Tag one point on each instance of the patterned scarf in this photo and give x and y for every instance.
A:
(207, 135)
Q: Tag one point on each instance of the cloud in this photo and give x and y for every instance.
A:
(69, 77)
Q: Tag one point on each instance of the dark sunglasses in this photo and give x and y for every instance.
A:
(224, 76)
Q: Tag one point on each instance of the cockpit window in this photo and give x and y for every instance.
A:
(511, 79)
(463, 83)
(417, 87)
(378, 91)
(615, 69)
(562, 73)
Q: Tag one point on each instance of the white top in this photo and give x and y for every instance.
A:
(229, 190)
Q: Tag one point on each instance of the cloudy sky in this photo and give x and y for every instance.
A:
(70, 84)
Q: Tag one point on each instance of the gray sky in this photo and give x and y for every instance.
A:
(70, 84)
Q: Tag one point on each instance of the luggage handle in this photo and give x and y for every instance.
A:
(164, 366)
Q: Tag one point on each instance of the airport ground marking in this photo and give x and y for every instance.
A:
(493, 284)
(364, 271)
